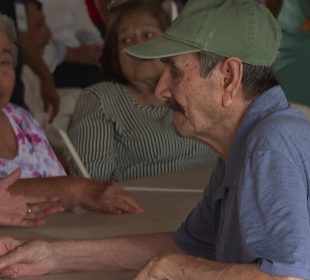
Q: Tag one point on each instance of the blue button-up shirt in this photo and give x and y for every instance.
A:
(256, 207)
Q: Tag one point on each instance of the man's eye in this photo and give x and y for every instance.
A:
(175, 73)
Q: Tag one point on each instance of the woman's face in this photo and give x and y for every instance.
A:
(136, 28)
(7, 74)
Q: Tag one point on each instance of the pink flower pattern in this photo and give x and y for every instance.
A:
(35, 157)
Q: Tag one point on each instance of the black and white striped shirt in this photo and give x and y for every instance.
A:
(119, 139)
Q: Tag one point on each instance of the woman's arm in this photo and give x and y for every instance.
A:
(76, 191)
(92, 134)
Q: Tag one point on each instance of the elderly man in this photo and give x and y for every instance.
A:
(253, 220)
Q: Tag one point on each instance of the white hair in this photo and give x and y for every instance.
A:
(8, 28)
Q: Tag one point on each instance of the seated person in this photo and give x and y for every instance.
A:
(23, 145)
(120, 129)
(30, 41)
(74, 51)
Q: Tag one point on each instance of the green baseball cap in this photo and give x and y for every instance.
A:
(240, 28)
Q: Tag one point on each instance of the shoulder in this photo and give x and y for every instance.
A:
(286, 130)
(104, 91)
(102, 100)
(20, 115)
(107, 97)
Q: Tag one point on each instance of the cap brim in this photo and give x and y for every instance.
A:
(159, 48)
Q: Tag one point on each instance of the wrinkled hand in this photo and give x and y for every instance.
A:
(50, 97)
(168, 267)
(86, 54)
(24, 259)
(14, 208)
(112, 199)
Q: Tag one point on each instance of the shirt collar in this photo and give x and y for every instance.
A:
(268, 102)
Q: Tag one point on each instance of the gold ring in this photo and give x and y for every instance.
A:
(29, 210)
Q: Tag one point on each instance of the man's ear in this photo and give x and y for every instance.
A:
(232, 71)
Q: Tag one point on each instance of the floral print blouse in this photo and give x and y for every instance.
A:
(35, 156)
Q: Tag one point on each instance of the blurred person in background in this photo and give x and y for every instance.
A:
(73, 53)
(31, 33)
(120, 129)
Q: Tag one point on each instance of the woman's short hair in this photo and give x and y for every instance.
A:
(8, 28)
(111, 69)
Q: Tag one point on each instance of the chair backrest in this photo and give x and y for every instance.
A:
(71, 154)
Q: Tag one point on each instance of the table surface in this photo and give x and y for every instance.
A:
(161, 214)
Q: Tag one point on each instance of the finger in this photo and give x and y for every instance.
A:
(43, 210)
(10, 179)
(20, 269)
(110, 209)
(7, 244)
(128, 200)
(118, 205)
(31, 222)
(122, 199)
(41, 199)
(19, 220)
(132, 202)
(54, 209)
(126, 207)
(14, 257)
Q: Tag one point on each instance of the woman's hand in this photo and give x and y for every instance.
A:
(109, 198)
(27, 211)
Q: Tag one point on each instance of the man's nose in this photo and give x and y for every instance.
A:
(162, 90)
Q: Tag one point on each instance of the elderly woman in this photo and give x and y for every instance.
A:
(120, 129)
(23, 145)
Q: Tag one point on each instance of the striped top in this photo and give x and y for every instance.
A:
(119, 139)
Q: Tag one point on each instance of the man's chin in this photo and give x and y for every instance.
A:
(181, 126)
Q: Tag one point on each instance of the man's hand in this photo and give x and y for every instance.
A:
(164, 268)
(24, 259)
(27, 211)
(109, 198)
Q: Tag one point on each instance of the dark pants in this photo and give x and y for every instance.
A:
(76, 75)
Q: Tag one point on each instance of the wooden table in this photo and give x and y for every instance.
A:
(162, 213)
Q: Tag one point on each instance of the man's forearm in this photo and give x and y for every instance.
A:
(122, 253)
(194, 268)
